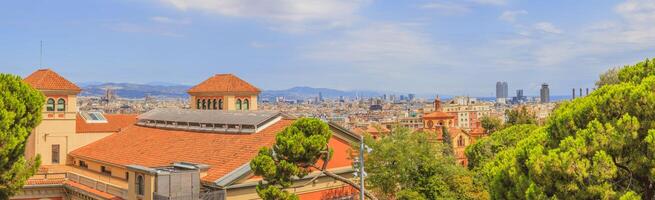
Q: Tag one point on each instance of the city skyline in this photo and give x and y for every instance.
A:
(425, 47)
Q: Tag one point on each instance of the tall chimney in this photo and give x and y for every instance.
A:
(580, 92)
(587, 94)
(573, 93)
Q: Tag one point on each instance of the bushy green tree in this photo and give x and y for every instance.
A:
(486, 148)
(20, 112)
(491, 124)
(519, 115)
(601, 146)
(609, 77)
(407, 165)
(298, 150)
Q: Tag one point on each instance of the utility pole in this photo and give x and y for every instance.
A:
(361, 167)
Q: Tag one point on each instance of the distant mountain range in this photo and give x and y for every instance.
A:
(171, 90)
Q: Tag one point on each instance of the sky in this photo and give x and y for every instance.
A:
(454, 47)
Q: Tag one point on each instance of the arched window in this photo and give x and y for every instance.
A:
(214, 104)
(204, 105)
(198, 104)
(246, 104)
(139, 185)
(238, 104)
(460, 141)
(61, 105)
(220, 104)
(50, 105)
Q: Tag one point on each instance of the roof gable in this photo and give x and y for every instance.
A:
(224, 83)
(46, 79)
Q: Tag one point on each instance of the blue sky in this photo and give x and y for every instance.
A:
(457, 47)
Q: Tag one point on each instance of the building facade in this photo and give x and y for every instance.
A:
(198, 153)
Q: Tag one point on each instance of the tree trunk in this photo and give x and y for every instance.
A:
(349, 182)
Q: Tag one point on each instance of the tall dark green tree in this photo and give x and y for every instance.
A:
(20, 112)
(601, 146)
(298, 150)
(447, 141)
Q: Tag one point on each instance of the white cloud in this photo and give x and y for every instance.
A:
(292, 13)
(447, 7)
(510, 16)
(491, 2)
(168, 20)
(380, 46)
(547, 27)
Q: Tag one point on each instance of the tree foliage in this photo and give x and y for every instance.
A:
(407, 165)
(601, 146)
(20, 112)
(609, 77)
(297, 150)
(520, 115)
(491, 124)
(447, 141)
(486, 148)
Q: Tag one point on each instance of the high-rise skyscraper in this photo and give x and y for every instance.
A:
(501, 92)
(544, 93)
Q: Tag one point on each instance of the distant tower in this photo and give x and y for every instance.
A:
(437, 104)
(587, 92)
(580, 92)
(501, 92)
(505, 90)
(320, 96)
(545, 93)
(573, 90)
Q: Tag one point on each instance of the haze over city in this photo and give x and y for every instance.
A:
(425, 46)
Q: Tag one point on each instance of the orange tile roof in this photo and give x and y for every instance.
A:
(477, 132)
(438, 114)
(152, 147)
(224, 83)
(114, 123)
(46, 79)
(92, 191)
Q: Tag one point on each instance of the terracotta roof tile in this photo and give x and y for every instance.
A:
(115, 122)
(46, 79)
(224, 83)
(152, 147)
(438, 114)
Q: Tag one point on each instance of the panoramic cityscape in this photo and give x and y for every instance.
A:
(327, 100)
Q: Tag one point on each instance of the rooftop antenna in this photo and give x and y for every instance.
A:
(41, 55)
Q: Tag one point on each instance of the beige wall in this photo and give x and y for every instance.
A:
(116, 171)
(149, 186)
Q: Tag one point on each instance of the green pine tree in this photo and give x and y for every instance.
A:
(447, 141)
(20, 112)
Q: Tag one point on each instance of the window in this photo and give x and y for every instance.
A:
(105, 170)
(204, 105)
(61, 105)
(55, 153)
(127, 175)
(220, 104)
(214, 104)
(139, 185)
(50, 105)
(83, 164)
(460, 141)
(198, 104)
(246, 104)
(238, 104)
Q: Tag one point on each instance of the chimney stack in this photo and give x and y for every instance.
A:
(573, 93)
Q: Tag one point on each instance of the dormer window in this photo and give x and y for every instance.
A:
(61, 105)
(220, 104)
(214, 104)
(140, 185)
(50, 105)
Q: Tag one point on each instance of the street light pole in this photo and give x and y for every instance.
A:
(361, 167)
